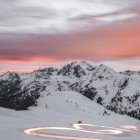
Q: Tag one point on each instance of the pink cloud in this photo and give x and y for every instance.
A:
(113, 41)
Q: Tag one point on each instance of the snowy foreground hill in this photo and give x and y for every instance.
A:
(118, 92)
(63, 109)
(61, 97)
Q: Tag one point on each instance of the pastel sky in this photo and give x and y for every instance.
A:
(40, 33)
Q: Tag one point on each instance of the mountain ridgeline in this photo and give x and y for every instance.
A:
(118, 92)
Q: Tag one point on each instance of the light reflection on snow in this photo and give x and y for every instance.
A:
(109, 131)
(34, 132)
(129, 127)
(102, 130)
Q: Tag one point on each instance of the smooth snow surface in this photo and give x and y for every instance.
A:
(63, 109)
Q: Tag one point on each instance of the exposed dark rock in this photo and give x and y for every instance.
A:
(13, 96)
(100, 84)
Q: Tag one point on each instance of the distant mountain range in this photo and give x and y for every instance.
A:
(118, 92)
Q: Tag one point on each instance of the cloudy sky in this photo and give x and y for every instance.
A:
(39, 33)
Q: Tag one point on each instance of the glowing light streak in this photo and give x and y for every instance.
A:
(129, 127)
(102, 130)
(34, 132)
(110, 131)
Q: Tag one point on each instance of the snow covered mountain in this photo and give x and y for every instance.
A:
(118, 92)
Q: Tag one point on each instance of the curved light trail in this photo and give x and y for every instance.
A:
(34, 132)
(96, 129)
(109, 131)
(129, 127)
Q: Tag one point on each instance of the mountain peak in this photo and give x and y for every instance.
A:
(115, 91)
(105, 70)
(76, 68)
(9, 76)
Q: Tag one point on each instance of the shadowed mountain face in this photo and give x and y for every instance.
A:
(119, 92)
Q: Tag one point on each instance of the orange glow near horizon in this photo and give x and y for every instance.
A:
(111, 42)
(120, 40)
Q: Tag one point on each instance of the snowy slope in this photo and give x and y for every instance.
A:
(62, 109)
(119, 92)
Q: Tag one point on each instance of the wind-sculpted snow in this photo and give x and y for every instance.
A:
(118, 92)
